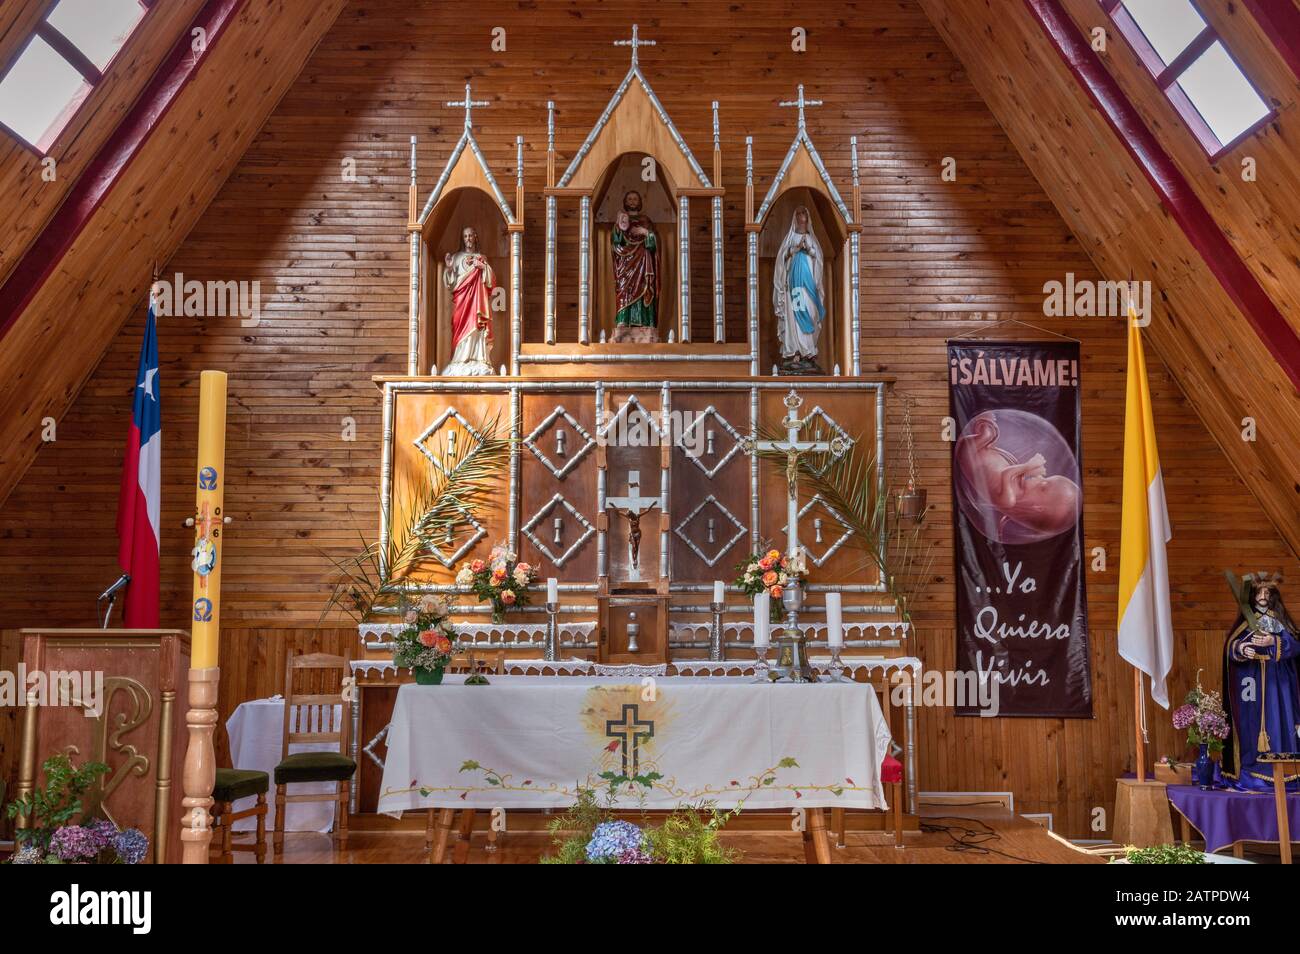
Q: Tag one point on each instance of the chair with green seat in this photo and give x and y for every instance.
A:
(231, 786)
(313, 688)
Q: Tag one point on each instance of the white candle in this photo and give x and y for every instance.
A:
(719, 592)
(552, 590)
(834, 620)
(762, 619)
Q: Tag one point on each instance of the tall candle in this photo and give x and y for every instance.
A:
(719, 592)
(762, 619)
(834, 619)
(205, 613)
(552, 590)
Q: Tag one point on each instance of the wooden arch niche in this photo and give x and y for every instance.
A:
(659, 202)
(832, 234)
(466, 206)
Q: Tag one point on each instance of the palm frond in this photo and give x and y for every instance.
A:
(434, 507)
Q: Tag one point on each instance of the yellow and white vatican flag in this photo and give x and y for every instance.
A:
(1146, 633)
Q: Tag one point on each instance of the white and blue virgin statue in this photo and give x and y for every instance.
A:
(799, 296)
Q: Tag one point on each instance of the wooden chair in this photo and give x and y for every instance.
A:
(313, 706)
(231, 786)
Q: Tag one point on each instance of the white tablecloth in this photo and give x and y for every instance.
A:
(530, 741)
(256, 733)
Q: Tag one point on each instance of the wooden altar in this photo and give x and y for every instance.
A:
(632, 477)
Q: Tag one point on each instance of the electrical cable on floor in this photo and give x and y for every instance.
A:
(968, 839)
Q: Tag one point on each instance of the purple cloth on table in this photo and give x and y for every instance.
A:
(1225, 817)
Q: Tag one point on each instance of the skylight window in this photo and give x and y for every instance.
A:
(1193, 68)
(62, 62)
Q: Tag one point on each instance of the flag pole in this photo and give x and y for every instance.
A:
(1141, 749)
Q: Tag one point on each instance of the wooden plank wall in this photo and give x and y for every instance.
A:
(940, 258)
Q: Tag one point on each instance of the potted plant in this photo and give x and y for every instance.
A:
(501, 580)
(425, 644)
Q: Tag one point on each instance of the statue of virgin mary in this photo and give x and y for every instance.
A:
(799, 296)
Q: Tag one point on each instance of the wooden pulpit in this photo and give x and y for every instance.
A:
(122, 703)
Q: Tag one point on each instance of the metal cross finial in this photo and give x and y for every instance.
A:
(801, 103)
(469, 103)
(634, 43)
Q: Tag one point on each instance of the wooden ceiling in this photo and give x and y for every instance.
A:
(60, 331)
(1227, 372)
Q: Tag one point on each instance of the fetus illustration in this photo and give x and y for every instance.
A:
(1017, 477)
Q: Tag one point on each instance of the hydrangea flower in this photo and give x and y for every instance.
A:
(131, 846)
(74, 843)
(610, 840)
(103, 830)
(635, 856)
(1184, 716)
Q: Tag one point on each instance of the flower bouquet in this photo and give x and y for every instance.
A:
(425, 644)
(769, 571)
(1202, 715)
(500, 580)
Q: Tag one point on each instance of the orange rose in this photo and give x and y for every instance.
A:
(442, 644)
(765, 564)
(427, 638)
(769, 577)
(776, 592)
(774, 555)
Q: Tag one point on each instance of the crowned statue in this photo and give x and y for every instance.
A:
(1261, 693)
(636, 273)
(799, 296)
(471, 280)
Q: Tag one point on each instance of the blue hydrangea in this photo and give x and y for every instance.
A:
(131, 846)
(610, 840)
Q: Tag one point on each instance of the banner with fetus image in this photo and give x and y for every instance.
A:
(1022, 614)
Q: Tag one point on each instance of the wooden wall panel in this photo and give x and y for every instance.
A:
(940, 258)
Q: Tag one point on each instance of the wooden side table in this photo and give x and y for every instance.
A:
(1281, 761)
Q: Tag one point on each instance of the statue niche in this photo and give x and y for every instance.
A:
(635, 253)
(462, 282)
(802, 281)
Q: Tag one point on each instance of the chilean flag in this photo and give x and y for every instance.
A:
(140, 502)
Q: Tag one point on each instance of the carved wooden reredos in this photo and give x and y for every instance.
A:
(633, 144)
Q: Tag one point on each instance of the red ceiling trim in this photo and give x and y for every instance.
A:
(103, 171)
(1173, 188)
(1281, 21)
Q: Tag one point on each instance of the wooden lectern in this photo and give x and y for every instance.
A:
(138, 731)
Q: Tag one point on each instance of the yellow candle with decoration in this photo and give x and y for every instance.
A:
(205, 611)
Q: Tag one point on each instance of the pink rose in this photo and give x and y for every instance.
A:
(508, 597)
(477, 566)
(523, 568)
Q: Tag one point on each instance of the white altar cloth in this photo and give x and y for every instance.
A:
(256, 733)
(531, 741)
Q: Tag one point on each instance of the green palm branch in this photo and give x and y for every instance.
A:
(435, 507)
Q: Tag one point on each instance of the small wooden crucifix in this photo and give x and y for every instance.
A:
(633, 506)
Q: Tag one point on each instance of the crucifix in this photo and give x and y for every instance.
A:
(469, 103)
(634, 43)
(630, 731)
(633, 506)
(801, 103)
(793, 449)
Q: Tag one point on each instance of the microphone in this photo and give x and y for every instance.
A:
(109, 593)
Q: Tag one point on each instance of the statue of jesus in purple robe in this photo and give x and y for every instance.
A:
(1261, 688)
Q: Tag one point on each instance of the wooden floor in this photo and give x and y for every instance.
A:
(972, 837)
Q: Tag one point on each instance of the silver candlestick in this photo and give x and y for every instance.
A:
(761, 667)
(800, 666)
(551, 648)
(836, 666)
(717, 648)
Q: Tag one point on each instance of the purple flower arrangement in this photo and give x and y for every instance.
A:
(96, 842)
(1202, 715)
